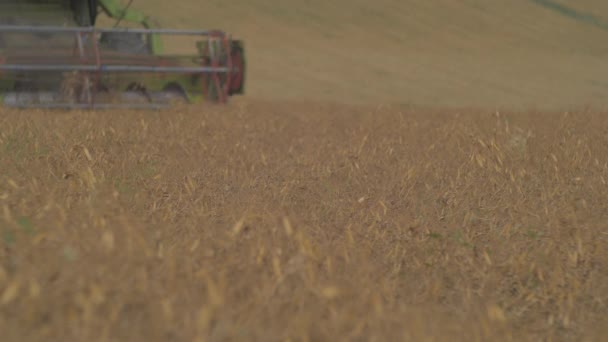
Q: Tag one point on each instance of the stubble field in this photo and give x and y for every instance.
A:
(305, 211)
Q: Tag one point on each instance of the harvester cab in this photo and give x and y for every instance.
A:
(53, 54)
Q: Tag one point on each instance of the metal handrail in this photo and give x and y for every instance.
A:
(62, 29)
(110, 68)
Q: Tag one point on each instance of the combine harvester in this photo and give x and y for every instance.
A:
(52, 55)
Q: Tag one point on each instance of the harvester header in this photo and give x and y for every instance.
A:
(52, 56)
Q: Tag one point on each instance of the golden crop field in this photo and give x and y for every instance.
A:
(445, 182)
(281, 222)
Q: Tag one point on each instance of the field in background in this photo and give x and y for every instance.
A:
(305, 211)
(443, 52)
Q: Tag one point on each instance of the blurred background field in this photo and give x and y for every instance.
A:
(457, 53)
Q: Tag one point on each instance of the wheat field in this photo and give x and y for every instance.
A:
(266, 222)
(446, 182)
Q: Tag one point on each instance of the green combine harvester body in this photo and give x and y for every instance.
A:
(52, 54)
